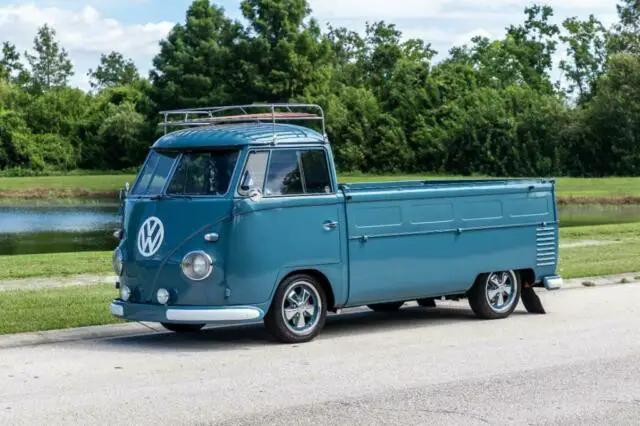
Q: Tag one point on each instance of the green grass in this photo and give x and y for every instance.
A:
(54, 264)
(85, 182)
(51, 309)
(623, 256)
(577, 187)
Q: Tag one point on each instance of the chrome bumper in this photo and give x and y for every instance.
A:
(552, 283)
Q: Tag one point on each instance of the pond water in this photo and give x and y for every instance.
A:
(598, 214)
(25, 230)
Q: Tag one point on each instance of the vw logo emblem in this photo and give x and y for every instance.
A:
(150, 236)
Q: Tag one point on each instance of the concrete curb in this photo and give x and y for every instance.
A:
(605, 280)
(133, 329)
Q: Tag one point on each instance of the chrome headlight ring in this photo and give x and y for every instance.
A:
(197, 265)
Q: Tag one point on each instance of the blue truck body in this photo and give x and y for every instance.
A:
(278, 217)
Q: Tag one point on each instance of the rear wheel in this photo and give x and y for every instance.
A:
(386, 307)
(495, 295)
(298, 311)
(182, 328)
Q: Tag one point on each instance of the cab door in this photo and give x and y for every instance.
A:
(296, 223)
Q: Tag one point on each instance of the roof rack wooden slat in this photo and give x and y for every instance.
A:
(273, 113)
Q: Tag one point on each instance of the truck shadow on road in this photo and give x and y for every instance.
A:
(244, 337)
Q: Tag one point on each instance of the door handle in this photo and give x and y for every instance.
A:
(329, 225)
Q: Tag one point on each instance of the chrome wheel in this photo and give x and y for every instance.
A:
(501, 290)
(301, 308)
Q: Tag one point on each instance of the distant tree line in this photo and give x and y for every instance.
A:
(490, 107)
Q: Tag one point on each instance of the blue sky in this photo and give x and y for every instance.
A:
(88, 27)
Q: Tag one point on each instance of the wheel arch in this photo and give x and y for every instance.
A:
(322, 279)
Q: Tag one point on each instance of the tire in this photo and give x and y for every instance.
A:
(427, 303)
(182, 328)
(484, 296)
(386, 307)
(298, 310)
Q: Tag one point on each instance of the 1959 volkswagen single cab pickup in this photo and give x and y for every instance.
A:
(239, 217)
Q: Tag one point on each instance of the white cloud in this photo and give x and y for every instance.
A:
(462, 9)
(84, 33)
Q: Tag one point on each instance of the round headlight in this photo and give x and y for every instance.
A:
(197, 265)
(163, 296)
(116, 261)
(125, 293)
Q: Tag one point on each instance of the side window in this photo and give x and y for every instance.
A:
(296, 172)
(316, 172)
(254, 172)
(284, 174)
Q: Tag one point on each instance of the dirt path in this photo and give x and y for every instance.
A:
(54, 282)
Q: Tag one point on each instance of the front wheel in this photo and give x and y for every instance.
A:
(182, 328)
(495, 295)
(298, 311)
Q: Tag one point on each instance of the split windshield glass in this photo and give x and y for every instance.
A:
(154, 174)
(203, 173)
(197, 173)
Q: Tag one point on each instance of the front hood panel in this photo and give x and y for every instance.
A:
(159, 233)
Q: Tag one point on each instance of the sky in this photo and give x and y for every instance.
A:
(87, 28)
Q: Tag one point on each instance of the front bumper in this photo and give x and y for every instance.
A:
(185, 314)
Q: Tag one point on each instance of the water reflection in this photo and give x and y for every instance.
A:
(26, 230)
(598, 214)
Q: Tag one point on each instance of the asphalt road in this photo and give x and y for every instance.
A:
(579, 364)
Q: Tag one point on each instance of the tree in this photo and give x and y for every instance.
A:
(522, 57)
(50, 66)
(533, 45)
(113, 71)
(10, 64)
(198, 63)
(587, 52)
(625, 37)
(614, 118)
(286, 56)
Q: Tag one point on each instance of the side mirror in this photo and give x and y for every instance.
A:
(122, 194)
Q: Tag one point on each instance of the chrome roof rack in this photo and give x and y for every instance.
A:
(261, 113)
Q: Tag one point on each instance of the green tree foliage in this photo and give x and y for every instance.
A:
(50, 65)
(586, 41)
(10, 65)
(197, 64)
(625, 37)
(489, 107)
(113, 71)
(285, 55)
(614, 117)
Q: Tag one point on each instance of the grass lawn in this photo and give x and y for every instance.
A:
(82, 186)
(86, 182)
(621, 256)
(39, 310)
(51, 309)
(54, 264)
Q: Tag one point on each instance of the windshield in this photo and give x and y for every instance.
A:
(154, 174)
(203, 173)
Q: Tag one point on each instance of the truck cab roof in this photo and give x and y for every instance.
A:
(239, 134)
